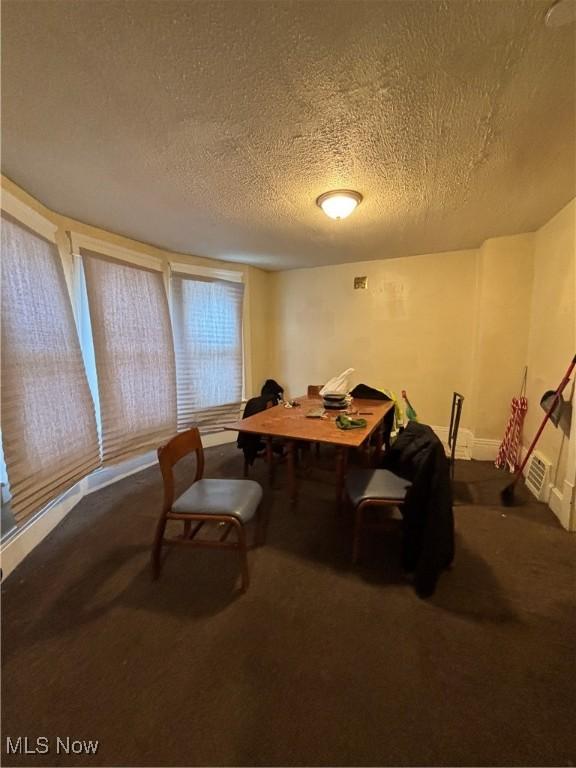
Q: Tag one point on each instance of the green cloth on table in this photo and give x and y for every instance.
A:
(345, 422)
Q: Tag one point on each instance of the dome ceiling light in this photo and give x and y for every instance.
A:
(560, 13)
(339, 203)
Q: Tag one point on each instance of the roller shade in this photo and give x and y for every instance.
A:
(207, 323)
(134, 355)
(48, 423)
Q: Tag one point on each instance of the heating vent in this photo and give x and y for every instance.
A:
(537, 476)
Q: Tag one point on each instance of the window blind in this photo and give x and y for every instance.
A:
(49, 428)
(207, 323)
(134, 355)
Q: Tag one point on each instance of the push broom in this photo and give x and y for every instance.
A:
(507, 494)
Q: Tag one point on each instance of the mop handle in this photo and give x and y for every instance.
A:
(557, 394)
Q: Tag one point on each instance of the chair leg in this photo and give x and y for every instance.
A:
(243, 551)
(365, 455)
(270, 460)
(358, 520)
(157, 548)
(296, 455)
(226, 532)
(261, 526)
(245, 468)
(341, 463)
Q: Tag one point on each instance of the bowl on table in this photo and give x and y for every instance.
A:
(335, 400)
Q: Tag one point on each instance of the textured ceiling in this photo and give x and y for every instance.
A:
(211, 127)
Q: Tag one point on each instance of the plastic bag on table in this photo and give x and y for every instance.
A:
(339, 385)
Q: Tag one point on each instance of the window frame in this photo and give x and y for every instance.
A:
(30, 218)
(47, 229)
(121, 255)
(79, 240)
(233, 276)
(50, 229)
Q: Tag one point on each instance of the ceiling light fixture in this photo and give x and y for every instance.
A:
(339, 203)
(561, 13)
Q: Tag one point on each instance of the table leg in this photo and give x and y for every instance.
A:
(270, 460)
(379, 442)
(291, 461)
(341, 462)
(365, 451)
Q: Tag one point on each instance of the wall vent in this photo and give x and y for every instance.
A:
(537, 476)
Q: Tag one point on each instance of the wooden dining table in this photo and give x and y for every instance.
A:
(294, 426)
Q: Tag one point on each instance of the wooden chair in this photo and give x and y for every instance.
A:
(457, 401)
(372, 488)
(233, 502)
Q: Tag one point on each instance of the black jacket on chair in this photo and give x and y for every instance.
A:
(365, 392)
(428, 520)
(272, 391)
(247, 441)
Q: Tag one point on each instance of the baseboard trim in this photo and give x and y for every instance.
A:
(463, 444)
(104, 476)
(555, 502)
(484, 449)
(22, 541)
(219, 438)
(560, 502)
(568, 511)
(469, 446)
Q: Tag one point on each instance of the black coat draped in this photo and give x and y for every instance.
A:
(428, 520)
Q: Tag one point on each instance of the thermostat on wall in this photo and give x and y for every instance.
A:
(360, 282)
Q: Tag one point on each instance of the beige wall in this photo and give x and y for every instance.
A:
(261, 308)
(428, 324)
(413, 328)
(552, 336)
(257, 294)
(503, 300)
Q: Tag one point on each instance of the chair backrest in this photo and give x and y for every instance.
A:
(257, 404)
(314, 390)
(170, 454)
(457, 401)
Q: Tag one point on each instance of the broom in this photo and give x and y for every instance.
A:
(507, 494)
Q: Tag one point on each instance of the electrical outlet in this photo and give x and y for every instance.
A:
(360, 283)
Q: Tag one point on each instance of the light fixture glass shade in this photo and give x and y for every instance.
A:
(340, 203)
(560, 13)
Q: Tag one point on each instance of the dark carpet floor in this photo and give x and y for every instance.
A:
(320, 663)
